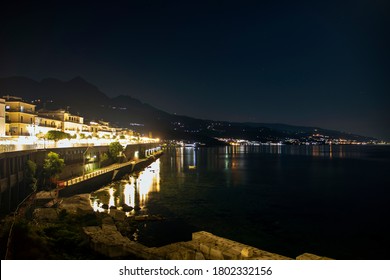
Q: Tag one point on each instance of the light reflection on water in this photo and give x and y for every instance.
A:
(324, 151)
(132, 193)
(265, 195)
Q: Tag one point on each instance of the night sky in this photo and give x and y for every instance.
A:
(315, 63)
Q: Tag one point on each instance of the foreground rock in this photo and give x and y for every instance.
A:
(79, 204)
(45, 214)
(108, 241)
(207, 246)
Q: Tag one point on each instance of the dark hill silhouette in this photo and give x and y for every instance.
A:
(83, 98)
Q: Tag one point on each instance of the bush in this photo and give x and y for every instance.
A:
(30, 170)
(52, 166)
(57, 135)
(114, 151)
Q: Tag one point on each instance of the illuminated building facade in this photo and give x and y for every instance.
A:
(102, 129)
(44, 125)
(70, 123)
(19, 116)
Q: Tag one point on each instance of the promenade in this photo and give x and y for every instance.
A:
(95, 173)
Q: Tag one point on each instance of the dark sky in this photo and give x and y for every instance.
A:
(317, 63)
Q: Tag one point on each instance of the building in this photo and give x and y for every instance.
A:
(2, 117)
(44, 125)
(71, 124)
(19, 116)
(102, 129)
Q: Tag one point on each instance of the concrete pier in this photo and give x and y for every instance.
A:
(93, 181)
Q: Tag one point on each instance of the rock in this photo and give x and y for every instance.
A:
(78, 204)
(308, 256)
(45, 214)
(246, 252)
(105, 206)
(126, 208)
(112, 207)
(117, 215)
(109, 229)
(43, 197)
(108, 221)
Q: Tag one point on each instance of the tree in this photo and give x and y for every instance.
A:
(57, 135)
(114, 150)
(52, 167)
(103, 159)
(30, 170)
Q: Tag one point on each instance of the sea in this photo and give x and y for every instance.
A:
(331, 201)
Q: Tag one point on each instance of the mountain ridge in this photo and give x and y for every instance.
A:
(82, 97)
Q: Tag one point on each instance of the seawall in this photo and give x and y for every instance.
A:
(78, 160)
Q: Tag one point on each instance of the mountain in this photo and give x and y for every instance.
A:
(83, 98)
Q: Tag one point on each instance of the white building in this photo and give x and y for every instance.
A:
(44, 125)
(71, 124)
(102, 129)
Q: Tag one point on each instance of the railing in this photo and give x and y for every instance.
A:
(94, 174)
(49, 125)
(27, 111)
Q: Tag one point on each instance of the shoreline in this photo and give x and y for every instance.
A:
(104, 239)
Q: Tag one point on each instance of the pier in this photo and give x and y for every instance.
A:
(92, 181)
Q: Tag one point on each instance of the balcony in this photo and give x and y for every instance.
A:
(18, 121)
(49, 125)
(19, 110)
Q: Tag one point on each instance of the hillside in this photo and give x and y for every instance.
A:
(83, 98)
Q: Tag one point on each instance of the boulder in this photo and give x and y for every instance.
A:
(45, 214)
(117, 215)
(126, 208)
(78, 204)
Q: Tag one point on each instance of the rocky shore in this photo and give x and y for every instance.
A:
(70, 229)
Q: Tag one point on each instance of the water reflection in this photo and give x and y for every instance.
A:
(128, 195)
(326, 151)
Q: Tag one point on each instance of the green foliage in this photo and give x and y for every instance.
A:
(57, 135)
(30, 170)
(104, 157)
(105, 160)
(60, 239)
(52, 166)
(114, 150)
(27, 242)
